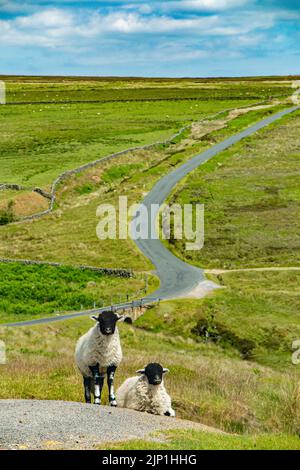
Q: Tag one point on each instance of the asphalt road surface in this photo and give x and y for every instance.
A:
(177, 278)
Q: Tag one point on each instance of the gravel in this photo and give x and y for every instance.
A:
(35, 424)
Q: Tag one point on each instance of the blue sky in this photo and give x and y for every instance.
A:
(150, 38)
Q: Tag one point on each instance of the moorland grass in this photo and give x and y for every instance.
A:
(33, 291)
(40, 141)
(206, 383)
(186, 439)
(71, 229)
(252, 201)
(254, 316)
(239, 377)
(67, 89)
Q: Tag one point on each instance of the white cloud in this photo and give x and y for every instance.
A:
(132, 23)
(205, 5)
(144, 8)
(51, 18)
(57, 27)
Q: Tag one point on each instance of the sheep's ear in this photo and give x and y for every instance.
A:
(121, 317)
(141, 371)
(165, 371)
(94, 318)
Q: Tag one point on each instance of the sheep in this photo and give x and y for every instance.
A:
(97, 353)
(146, 392)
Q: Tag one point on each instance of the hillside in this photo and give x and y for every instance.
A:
(229, 353)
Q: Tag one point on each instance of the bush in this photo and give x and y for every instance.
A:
(7, 215)
(210, 330)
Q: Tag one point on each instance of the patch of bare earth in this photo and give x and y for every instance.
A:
(27, 203)
(273, 268)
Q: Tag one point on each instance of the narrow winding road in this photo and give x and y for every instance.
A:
(177, 278)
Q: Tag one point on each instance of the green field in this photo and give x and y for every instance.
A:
(64, 125)
(252, 201)
(133, 175)
(249, 318)
(209, 382)
(196, 440)
(80, 89)
(41, 290)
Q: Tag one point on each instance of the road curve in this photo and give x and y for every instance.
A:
(177, 278)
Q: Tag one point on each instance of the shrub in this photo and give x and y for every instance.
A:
(7, 215)
(210, 330)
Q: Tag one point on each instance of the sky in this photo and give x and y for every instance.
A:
(174, 38)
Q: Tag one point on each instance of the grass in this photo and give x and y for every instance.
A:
(196, 440)
(45, 148)
(208, 382)
(71, 227)
(35, 291)
(254, 316)
(100, 119)
(230, 353)
(24, 202)
(103, 116)
(7, 214)
(252, 201)
(68, 89)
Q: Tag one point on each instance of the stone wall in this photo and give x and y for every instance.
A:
(125, 273)
(15, 187)
(86, 166)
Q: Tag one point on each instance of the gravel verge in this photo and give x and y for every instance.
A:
(41, 424)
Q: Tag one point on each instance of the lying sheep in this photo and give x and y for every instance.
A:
(97, 353)
(146, 392)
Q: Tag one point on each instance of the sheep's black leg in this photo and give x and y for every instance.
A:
(98, 383)
(110, 381)
(87, 389)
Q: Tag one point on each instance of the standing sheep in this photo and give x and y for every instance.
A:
(146, 392)
(97, 353)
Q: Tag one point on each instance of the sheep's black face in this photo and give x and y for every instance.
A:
(107, 322)
(154, 373)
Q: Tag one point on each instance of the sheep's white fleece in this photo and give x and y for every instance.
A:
(95, 348)
(136, 393)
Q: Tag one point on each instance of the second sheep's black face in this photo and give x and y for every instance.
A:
(107, 323)
(154, 373)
